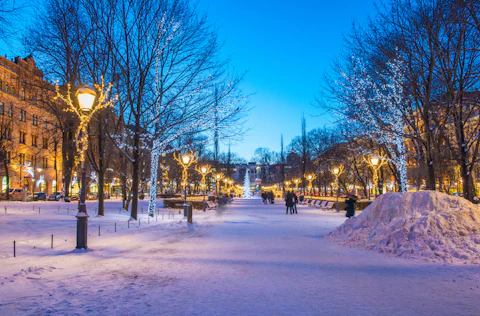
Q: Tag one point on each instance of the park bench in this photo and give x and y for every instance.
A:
(306, 201)
(211, 205)
(314, 203)
(328, 206)
(322, 204)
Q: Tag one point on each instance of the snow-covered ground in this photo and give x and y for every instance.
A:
(246, 259)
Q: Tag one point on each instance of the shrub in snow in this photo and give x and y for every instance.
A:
(430, 225)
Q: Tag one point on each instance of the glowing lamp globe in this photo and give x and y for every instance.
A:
(309, 177)
(86, 97)
(336, 171)
(204, 169)
(186, 159)
(374, 161)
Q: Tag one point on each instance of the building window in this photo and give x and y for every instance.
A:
(22, 94)
(34, 120)
(34, 140)
(10, 111)
(45, 143)
(13, 89)
(22, 137)
(2, 108)
(23, 115)
(21, 158)
(44, 162)
(6, 87)
(7, 133)
(44, 123)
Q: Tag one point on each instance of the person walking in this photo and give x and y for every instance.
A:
(272, 197)
(295, 202)
(351, 200)
(289, 202)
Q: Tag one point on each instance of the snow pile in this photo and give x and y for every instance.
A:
(430, 225)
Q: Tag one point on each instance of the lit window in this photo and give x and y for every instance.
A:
(23, 115)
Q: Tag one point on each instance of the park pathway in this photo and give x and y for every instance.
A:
(245, 259)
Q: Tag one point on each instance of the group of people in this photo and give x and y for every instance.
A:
(291, 201)
(268, 197)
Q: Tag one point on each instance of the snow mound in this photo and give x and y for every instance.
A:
(428, 225)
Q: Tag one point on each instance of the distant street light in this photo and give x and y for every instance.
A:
(296, 181)
(310, 178)
(186, 161)
(218, 177)
(204, 170)
(376, 164)
(337, 171)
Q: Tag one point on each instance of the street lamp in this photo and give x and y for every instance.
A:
(287, 184)
(296, 181)
(84, 108)
(204, 170)
(186, 160)
(376, 164)
(218, 176)
(337, 171)
(310, 178)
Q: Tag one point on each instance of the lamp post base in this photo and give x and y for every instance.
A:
(82, 230)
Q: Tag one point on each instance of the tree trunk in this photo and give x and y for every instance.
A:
(7, 176)
(135, 176)
(101, 186)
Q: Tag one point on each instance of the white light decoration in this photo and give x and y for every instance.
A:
(247, 194)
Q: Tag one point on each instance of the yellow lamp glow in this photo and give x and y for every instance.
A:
(186, 159)
(204, 169)
(336, 171)
(86, 97)
(374, 161)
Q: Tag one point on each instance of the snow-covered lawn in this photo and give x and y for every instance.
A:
(246, 259)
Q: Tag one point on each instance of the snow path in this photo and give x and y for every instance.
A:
(249, 259)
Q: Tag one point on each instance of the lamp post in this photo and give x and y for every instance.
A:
(337, 171)
(204, 170)
(375, 163)
(186, 160)
(84, 108)
(310, 178)
(296, 181)
(287, 184)
(218, 176)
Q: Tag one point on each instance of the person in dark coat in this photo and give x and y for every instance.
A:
(264, 197)
(295, 202)
(289, 202)
(351, 200)
(272, 197)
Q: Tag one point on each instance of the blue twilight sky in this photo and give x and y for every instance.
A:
(285, 46)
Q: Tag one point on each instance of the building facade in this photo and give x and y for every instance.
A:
(30, 150)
